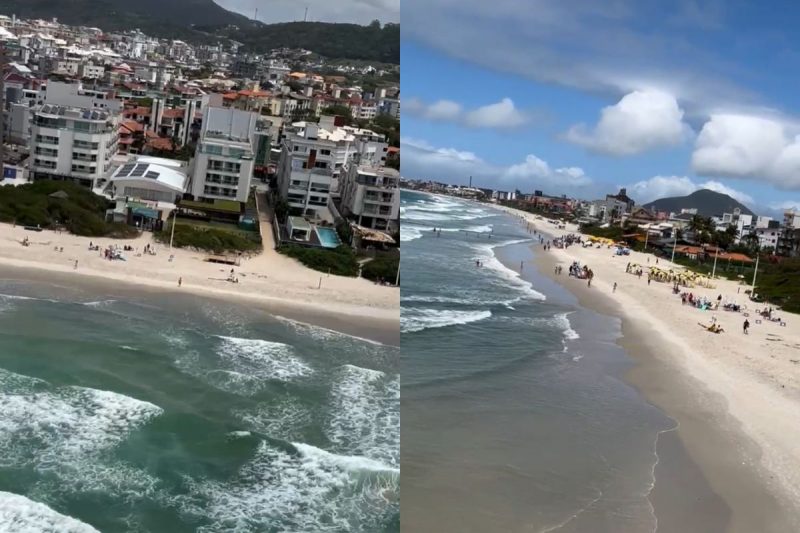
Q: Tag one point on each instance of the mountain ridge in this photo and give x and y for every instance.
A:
(204, 21)
(707, 202)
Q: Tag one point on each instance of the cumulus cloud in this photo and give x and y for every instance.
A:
(424, 161)
(502, 114)
(640, 121)
(499, 115)
(665, 186)
(746, 146)
(442, 110)
(535, 169)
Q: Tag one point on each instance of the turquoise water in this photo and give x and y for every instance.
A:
(328, 237)
(174, 413)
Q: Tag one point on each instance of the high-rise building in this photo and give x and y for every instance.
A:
(371, 196)
(74, 133)
(230, 142)
(305, 170)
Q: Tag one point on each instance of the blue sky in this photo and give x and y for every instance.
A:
(583, 97)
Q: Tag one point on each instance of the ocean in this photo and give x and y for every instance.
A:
(169, 413)
(515, 414)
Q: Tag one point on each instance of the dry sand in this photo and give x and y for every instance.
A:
(735, 397)
(267, 278)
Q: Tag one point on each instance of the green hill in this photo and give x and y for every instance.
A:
(203, 21)
(707, 202)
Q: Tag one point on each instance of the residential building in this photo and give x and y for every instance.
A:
(227, 148)
(622, 196)
(305, 170)
(789, 239)
(74, 134)
(371, 196)
(149, 178)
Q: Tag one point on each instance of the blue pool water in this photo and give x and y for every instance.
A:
(328, 237)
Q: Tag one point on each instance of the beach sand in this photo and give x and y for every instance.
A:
(277, 283)
(735, 397)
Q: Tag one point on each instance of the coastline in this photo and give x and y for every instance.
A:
(269, 281)
(729, 420)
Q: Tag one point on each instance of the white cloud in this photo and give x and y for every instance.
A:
(443, 110)
(535, 169)
(785, 205)
(665, 186)
(499, 115)
(422, 160)
(747, 146)
(640, 121)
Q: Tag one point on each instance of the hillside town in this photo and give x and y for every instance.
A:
(285, 142)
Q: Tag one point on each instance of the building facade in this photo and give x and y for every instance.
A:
(371, 196)
(74, 134)
(226, 152)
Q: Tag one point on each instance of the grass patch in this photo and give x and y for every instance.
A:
(207, 239)
(340, 261)
(81, 212)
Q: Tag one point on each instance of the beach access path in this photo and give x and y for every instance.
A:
(268, 277)
(753, 379)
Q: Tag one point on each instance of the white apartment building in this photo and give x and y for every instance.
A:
(74, 133)
(333, 146)
(305, 170)
(371, 196)
(226, 153)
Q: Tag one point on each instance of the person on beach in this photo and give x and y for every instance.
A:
(615, 287)
(180, 282)
(746, 326)
(521, 263)
(76, 265)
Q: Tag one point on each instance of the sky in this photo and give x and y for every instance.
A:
(581, 97)
(356, 11)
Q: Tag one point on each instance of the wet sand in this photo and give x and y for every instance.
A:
(373, 328)
(708, 477)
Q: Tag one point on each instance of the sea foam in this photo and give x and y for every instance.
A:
(19, 514)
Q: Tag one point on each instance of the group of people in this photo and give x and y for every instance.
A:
(558, 270)
(581, 272)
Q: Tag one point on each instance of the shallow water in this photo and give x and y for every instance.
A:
(514, 412)
(177, 413)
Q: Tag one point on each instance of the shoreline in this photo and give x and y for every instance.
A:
(674, 374)
(273, 283)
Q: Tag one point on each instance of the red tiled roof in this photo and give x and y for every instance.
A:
(140, 111)
(160, 143)
(173, 113)
(132, 126)
(254, 94)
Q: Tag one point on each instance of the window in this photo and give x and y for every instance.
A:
(324, 152)
(320, 164)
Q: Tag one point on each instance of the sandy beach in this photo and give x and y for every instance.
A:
(735, 397)
(277, 282)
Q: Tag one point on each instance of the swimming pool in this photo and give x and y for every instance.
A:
(328, 237)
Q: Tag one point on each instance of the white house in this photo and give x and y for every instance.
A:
(226, 153)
